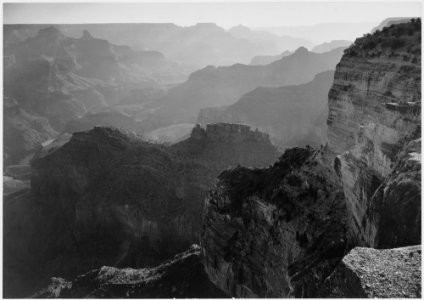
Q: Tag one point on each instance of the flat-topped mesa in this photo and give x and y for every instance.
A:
(374, 110)
(234, 133)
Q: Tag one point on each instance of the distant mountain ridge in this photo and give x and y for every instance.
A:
(292, 115)
(198, 45)
(220, 86)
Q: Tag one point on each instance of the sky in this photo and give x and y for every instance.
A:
(263, 14)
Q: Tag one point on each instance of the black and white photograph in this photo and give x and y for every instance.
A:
(211, 149)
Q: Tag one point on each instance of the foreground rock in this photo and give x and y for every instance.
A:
(107, 197)
(275, 232)
(371, 273)
(180, 277)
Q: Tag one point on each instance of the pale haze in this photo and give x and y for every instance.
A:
(223, 14)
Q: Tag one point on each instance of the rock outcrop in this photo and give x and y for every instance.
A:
(276, 232)
(374, 110)
(371, 273)
(180, 277)
(107, 197)
(291, 115)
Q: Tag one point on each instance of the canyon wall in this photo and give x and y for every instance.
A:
(374, 111)
(281, 231)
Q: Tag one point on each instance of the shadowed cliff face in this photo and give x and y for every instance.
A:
(291, 115)
(275, 232)
(375, 110)
(109, 198)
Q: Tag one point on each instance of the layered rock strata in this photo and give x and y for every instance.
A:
(281, 235)
(374, 110)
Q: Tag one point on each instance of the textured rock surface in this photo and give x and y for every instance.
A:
(109, 198)
(375, 109)
(371, 273)
(291, 115)
(281, 231)
(180, 277)
(275, 232)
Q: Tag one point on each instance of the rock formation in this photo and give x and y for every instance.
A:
(180, 277)
(219, 86)
(275, 232)
(107, 197)
(281, 231)
(291, 115)
(59, 79)
(192, 47)
(375, 110)
(371, 273)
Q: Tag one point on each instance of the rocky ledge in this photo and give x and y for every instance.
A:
(180, 277)
(371, 273)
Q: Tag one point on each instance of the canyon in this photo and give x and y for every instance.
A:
(94, 199)
(222, 86)
(293, 115)
(364, 185)
(109, 213)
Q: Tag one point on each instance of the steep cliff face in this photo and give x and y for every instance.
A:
(291, 115)
(275, 232)
(281, 231)
(375, 109)
(109, 198)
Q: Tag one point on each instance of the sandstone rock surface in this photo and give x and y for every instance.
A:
(374, 111)
(372, 273)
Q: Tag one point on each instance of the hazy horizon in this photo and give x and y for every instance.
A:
(226, 15)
